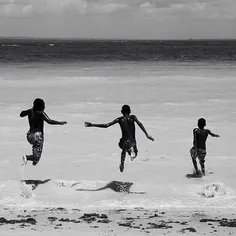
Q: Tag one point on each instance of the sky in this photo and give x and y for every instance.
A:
(121, 19)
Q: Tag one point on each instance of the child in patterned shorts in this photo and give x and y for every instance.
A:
(199, 145)
(35, 135)
(127, 124)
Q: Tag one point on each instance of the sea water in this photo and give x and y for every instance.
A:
(169, 86)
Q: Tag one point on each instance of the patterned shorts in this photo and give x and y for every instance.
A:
(198, 153)
(36, 140)
(126, 145)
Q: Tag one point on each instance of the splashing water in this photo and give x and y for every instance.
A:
(216, 190)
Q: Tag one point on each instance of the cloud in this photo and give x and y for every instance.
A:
(154, 5)
(199, 9)
(14, 2)
(196, 9)
(107, 7)
(24, 8)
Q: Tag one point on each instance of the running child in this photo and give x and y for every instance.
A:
(128, 141)
(35, 135)
(198, 150)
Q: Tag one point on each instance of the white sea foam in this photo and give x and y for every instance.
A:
(97, 194)
(216, 190)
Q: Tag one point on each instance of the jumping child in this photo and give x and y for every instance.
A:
(35, 135)
(128, 141)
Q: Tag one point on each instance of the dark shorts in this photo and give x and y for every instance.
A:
(198, 153)
(126, 145)
(36, 140)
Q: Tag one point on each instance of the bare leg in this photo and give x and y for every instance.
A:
(202, 167)
(193, 152)
(123, 154)
(195, 165)
(32, 158)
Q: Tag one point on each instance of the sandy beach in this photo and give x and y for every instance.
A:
(77, 188)
(138, 221)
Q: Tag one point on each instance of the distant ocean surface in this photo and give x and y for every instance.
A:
(55, 51)
(169, 86)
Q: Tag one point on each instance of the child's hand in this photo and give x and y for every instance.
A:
(150, 137)
(217, 136)
(87, 124)
(63, 122)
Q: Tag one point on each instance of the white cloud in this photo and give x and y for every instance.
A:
(207, 8)
(148, 5)
(59, 7)
(3, 2)
(108, 8)
(154, 5)
(198, 9)
(14, 2)
(114, 18)
(12, 10)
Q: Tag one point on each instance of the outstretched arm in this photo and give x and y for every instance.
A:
(88, 124)
(52, 122)
(143, 128)
(213, 135)
(24, 113)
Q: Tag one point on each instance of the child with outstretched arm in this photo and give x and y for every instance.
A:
(128, 141)
(35, 135)
(198, 150)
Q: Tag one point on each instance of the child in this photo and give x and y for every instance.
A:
(127, 124)
(199, 145)
(35, 135)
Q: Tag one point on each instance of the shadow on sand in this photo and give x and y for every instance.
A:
(194, 175)
(117, 186)
(35, 183)
(197, 176)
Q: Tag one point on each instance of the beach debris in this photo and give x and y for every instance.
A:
(154, 216)
(52, 218)
(93, 216)
(55, 209)
(104, 221)
(159, 226)
(125, 224)
(222, 222)
(198, 214)
(228, 223)
(190, 229)
(69, 220)
(31, 221)
(118, 210)
(103, 216)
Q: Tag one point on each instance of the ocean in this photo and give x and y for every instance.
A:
(169, 86)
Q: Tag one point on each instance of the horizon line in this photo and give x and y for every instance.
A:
(118, 39)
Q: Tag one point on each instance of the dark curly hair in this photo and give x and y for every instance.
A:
(39, 104)
(125, 109)
(201, 123)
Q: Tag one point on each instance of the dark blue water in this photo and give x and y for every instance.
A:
(56, 51)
